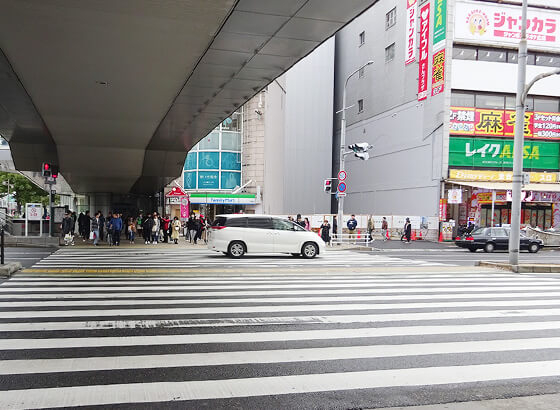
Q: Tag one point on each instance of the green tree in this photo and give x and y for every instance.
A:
(23, 190)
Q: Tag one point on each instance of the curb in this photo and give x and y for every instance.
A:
(9, 268)
(523, 268)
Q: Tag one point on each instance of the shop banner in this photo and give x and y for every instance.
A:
(499, 176)
(411, 11)
(442, 209)
(184, 208)
(500, 24)
(501, 123)
(498, 153)
(440, 23)
(424, 62)
(438, 72)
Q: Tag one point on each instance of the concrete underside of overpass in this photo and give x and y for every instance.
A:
(116, 92)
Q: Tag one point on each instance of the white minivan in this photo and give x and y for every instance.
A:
(237, 234)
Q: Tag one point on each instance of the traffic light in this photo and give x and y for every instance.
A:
(360, 150)
(54, 171)
(46, 170)
(327, 187)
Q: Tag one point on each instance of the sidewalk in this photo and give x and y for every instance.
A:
(138, 244)
(542, 402)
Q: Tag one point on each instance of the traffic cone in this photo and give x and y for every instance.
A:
(413, 235)
(420, 235)
(440, 237)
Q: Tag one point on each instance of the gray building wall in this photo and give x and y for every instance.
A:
(308, 138)
(404, 172)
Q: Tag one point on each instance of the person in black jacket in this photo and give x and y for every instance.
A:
(147, 225)
(407, 230)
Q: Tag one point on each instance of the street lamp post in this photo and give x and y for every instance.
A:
(522, 92)
(343, 145)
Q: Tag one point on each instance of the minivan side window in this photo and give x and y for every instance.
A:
(282, 225)
(260, 223)
(220, 221)
(237, 222)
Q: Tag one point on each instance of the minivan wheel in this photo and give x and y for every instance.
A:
(533, 248)
(236, 249)
(309, 250)
(489, 248)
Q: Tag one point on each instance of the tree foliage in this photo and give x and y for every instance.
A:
(23, 190)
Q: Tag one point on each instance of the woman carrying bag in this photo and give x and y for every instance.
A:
(175, 229)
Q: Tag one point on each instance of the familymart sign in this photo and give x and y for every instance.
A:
(223, 199)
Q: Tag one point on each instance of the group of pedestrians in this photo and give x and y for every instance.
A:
(153, 228)
(196, 228)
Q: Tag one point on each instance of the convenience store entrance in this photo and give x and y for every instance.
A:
(533, 214)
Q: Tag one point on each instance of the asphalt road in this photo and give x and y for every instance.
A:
(463, 257)
(27, 256)
(222, 337)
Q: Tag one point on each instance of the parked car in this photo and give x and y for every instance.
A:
(237, 234)
(491, 239)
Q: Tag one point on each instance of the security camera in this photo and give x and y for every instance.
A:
(259, 112)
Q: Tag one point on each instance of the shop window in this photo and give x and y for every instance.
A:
(232, 123)
(189, 180)
(231, 179)
(231, 161)
(513, 54)
(210, 142)
(544, 104)
(208, 160)
(490, 101)
(191, 161)
(464, 53)
(231, 141)
(499, 56)
(459, 99)
(547, 60)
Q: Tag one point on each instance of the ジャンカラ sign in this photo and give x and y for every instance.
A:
(410, 48)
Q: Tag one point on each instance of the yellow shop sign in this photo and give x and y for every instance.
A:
(499, 176)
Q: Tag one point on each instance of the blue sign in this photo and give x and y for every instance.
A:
(231, 179)
(208, 180)
(190, 162)
(342, 187)
(189, 181)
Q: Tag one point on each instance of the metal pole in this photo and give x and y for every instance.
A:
(518, 142)
(493, 202)
(2, 245)
(342, 149)
(50, 212)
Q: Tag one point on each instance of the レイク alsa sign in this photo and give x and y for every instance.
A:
(501, 24)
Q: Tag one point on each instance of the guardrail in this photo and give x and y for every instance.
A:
(351, 239)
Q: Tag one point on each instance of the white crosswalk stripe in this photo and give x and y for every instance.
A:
(96, 258)
(263, 340)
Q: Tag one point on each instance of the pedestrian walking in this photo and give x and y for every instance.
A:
(101, 226)
(352, 224)
(385, 229)
(66, 228)
(108, 228)
(147, 225)
(197, 229)
(139, 221)
(116, 229)
(407, 230)
(300, 221)
(86, 226)
(191, 228)
(325, 231)
(165, 225)
(175, 230)
(370, 227)
(307, 224)
(81, 223)
(73, 227)
(131, 229)
(95, 226)
(335, 228)
(156, 226)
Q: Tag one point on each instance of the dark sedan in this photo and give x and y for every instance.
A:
(491, 239)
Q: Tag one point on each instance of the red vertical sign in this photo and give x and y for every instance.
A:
(423, 74)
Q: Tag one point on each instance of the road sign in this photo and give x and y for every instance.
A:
(340, 194)
(342, 175)
(342, 187)
(53, 191)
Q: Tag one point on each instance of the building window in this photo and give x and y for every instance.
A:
(545, 104)
(390, 18)
(390, 52)
(490, 101)
(498, 56)
(547, 60)
(459, 99)
(362, 37)
(464, 53)
(361, 72)
(360, 106)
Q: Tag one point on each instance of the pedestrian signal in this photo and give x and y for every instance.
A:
(327, 187)
(46, 170)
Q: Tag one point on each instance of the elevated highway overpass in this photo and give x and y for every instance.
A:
(116, 92)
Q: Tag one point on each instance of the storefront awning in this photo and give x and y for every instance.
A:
(506, 186)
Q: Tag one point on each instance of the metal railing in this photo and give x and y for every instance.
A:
(351, 239)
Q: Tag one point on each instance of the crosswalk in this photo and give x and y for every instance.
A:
(166, 258)
(274, 340)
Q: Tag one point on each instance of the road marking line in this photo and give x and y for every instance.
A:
(270, 386)
(37, 366)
